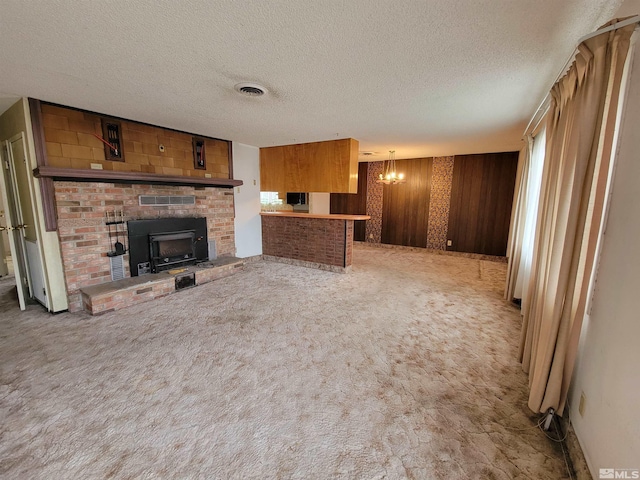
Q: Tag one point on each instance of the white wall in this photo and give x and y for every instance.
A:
(320, 203)
(246, 167)
(608, 364)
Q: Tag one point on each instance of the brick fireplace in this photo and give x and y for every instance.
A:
(83, 177)
(81, 209)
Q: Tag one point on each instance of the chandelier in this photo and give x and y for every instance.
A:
(389, 175)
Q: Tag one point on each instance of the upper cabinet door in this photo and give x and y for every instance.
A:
(330, 166)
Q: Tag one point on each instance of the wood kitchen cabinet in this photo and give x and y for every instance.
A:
(330, 166)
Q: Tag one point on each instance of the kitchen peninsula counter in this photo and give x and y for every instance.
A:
(322, 241)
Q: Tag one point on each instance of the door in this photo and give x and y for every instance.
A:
(24, 198)
(3, 232)
(11, 224)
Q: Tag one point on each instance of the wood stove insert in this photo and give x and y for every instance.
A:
(173, 249)
(161, 244)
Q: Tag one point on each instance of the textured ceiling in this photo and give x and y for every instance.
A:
(423, 77)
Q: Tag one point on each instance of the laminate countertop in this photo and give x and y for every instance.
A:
(332, 216)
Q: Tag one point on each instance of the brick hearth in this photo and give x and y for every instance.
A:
(111, 296)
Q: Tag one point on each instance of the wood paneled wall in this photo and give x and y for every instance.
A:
(71, 143)
(481, 199)
(354, 203)
(405, 210)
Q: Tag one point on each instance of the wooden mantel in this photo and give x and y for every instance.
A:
(85, 175)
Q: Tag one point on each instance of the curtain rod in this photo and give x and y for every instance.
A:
(545, 100)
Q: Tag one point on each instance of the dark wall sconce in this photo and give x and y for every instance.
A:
(112, 138)
(199, 158)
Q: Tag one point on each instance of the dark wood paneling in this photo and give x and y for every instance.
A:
(405, 207)
(46, 184)
(354, 203)
(481, 198)
(230, 147)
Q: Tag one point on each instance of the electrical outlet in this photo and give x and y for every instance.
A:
(582, 405)
(161, 148)
(371, 236)
(449, 243)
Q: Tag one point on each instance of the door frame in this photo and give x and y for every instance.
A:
(6, 183)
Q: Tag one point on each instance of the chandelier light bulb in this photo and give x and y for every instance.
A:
(389, 175)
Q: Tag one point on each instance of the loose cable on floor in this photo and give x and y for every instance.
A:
(559, 440)
(537, 425)
(566, 462)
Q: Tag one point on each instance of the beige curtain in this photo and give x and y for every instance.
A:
(533, 197)
(580, 131)
(518, 215)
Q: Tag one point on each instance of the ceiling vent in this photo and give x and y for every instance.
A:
(251, 89)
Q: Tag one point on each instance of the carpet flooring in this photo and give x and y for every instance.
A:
(404, 368)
